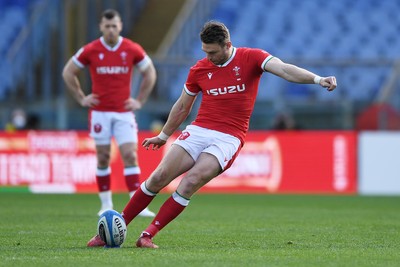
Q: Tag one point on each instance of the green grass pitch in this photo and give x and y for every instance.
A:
(215, 230)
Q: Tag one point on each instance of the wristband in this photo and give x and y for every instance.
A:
(163, 136)
(317, 79)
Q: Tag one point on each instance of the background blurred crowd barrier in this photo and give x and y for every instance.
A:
(270, 162)
(305, 162)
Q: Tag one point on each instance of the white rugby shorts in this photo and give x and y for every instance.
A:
(106, 124)
(196, 140)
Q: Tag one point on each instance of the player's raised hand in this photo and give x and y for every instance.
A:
(329, 83)
(155, 143)
(132, 104)
(90, 100)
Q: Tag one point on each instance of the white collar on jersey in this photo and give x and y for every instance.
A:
(111, 48)
(230, 59)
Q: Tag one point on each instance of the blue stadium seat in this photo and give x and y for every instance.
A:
(348, 30)
(352, 29)
(270, 87)
(13, 17)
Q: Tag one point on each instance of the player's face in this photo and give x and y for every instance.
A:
(111, 29)
(216, 53)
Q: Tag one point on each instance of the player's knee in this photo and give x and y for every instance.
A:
(129, 157)
(103, 158)
(159, 179)
(192, 182)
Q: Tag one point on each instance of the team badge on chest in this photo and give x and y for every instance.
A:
(236, 70)
(123, 57)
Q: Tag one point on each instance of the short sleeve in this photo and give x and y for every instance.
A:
(261, 57)
(191, 86)
(80, 58)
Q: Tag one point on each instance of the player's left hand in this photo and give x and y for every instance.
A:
(132, 104)
(329, 83)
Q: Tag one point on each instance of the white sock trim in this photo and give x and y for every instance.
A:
(131, 170)
(103, 172)
(146, 191)
(180, 199)
(106, 199)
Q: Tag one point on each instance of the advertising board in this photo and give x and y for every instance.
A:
(270, 162)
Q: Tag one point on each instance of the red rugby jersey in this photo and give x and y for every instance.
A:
(111, 70)
(229, 90)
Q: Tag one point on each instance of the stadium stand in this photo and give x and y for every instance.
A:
(354, 32)
(13, 16)
(34, 46)
(347, 30)
(356, 40)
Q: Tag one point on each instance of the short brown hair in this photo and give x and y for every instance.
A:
(214, 32)
(110, 14)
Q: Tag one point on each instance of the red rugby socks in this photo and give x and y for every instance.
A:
(139, 201)
(171, 208)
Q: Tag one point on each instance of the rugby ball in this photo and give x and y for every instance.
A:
(111, 228)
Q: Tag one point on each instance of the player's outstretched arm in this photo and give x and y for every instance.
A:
(179, 112)
(296, 74)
